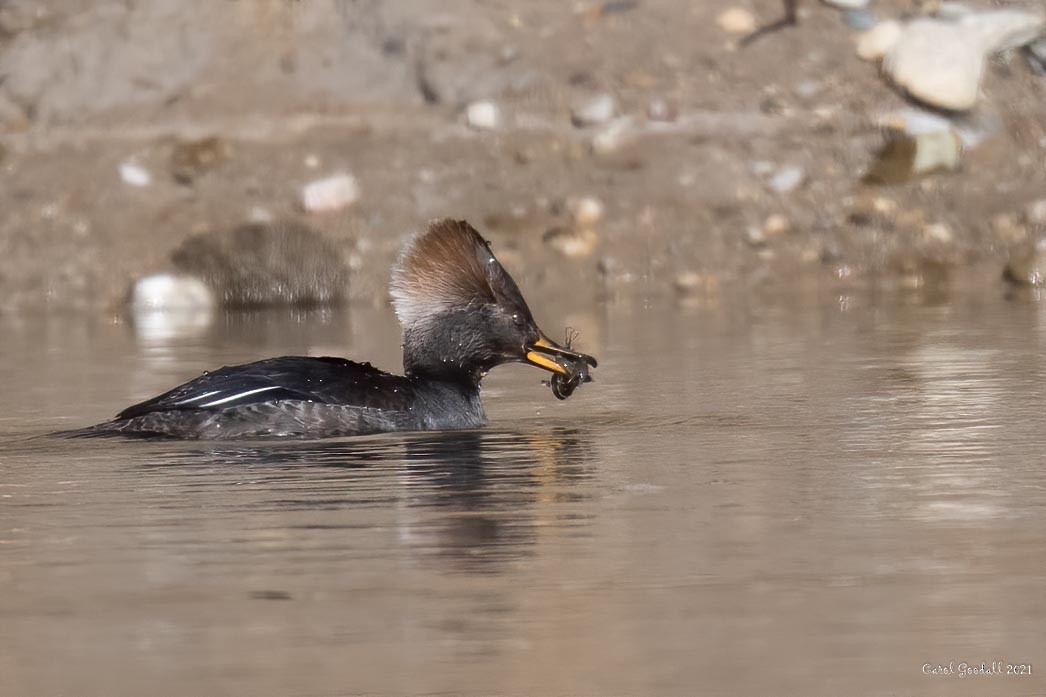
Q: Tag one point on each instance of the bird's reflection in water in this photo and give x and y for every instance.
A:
(471, 501)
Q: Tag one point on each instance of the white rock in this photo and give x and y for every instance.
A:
(574, 243)
(330, 194)
(1035, 212)
(165, 291)
(873, 44)
(260, 214)
(736, 20)
(941, 62)
(587, 211)
(786, 180)
(484, 115)
(598, 110)
(614, 135)
(775, 225)
(937, 233)
(135, 174)
(847, 4)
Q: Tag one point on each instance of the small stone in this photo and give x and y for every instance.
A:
(662, 110)
(937, 233)
(587, 211)
(762, 168)
(1036, 52)
(786, 179)
(775, 225)
(330, 194)
(905, 157)
(755, 236)
(736, 20)
(808, 88)
(1008, 230)
(1035, 212)
(688, 282)
(692, 282)
(612, 137)
(1028, 266)
(312, 161)
(258, 214)
(190, 160)
(860, 19)
(165, 291)
(573, 244)
(135, 175)
(598, 110)
(847, 4)
(875, 43)
(484, 115)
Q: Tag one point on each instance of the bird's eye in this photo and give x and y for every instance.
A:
(517, 318)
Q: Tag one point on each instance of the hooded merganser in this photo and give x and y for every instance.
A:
(462, 314)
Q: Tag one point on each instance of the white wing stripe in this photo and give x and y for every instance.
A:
(239, 395)
(199, 396)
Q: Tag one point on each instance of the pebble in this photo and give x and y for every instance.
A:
(776, 224)
(848, 4)
(1035, 212)
(135, 175)
(1008, 230)
(905, 157)
(787, 179)
(573, 244)
(860, 19)
(736, 20)
(937, 233)
(1037, 56)
(587, 211)
(692, 282)
(330, 194)
(165, 291)
(596, 111)
(1028, 266)
(755, 236)
(483, 115)
(875, 43)
(662, 110)
(941, 62)
(191, 159)
(612, 137)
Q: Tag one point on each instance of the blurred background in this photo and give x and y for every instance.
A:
(623, 147)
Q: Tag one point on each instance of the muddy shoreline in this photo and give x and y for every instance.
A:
(689, 200)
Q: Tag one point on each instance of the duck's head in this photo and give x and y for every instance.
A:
(462, 314)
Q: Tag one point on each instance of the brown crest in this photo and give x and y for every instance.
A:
(446, 267)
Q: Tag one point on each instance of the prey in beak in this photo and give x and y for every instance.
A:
(569, 368)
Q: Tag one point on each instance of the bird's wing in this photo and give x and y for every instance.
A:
(325, 380)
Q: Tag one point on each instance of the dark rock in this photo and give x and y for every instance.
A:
(191, 159)
(267, 264)
(1027, 267)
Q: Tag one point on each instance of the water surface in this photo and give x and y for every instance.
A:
(755, 498)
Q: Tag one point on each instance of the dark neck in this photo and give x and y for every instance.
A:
(447, 350)
(446, 404)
